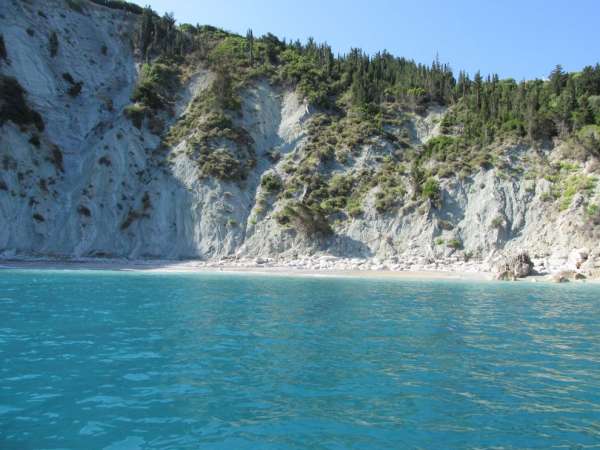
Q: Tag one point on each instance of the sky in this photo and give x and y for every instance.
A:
(516, 39)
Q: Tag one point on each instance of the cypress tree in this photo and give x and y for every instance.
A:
(250, 44)
(146, 31)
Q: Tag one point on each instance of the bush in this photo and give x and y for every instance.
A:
(575, 184)
(340, 185)
(231, 51)
(271, 182)
(146, 202)
(588, 139)
(68, 78)
(56, 158)
(158, 81)
(105, 161)
(309, 220)
(593, 214)
(431, 191)
(354, 207)
(439, 147)
(445, 225)
(221, 164)
(385, 201)
(132, 216)
(35, 140)
(147, 94)
(273, 155)
(497, 222)
(3, 54)
(332, 205)
(454, 243)
(75, 89)
(13, 106)
(516, 126)
(84, 211)
(136, 114)
(75, 5)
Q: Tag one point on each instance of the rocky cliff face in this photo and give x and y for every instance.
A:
(90, 183)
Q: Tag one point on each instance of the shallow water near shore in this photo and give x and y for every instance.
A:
(151, 361)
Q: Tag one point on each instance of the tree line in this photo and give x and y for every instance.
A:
(485, 107)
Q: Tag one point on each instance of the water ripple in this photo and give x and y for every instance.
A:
(133, 361)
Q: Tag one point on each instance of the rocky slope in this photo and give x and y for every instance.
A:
(91, 183)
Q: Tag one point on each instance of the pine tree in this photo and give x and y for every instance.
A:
(557, 79)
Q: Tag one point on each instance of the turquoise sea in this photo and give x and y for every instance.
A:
(109, 360)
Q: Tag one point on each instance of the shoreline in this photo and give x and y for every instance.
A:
(192, 266)
(264, 268)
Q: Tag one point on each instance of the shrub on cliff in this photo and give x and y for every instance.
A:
(75, 5)
(13, 105)
(439, 147)
(310, 220)
(3, 54)
(271, 182)
(431, 191)
(53, 44)
(221, 164)
(136, 113)
(154, 91)
(158, 81)
(454, 243)
(75, 88)
(56, 158)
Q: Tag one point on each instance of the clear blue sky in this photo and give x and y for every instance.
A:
(514, 38)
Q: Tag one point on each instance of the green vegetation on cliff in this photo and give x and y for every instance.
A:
(363, 101)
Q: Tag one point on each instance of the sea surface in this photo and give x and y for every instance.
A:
(119, 361)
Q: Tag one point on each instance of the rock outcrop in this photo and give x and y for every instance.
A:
(512, 267)
(565, 276)
(577, 258)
